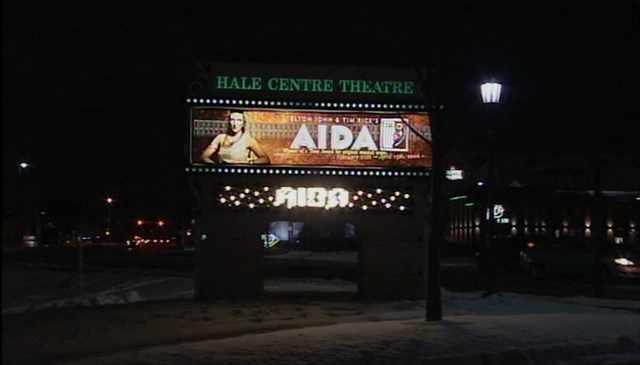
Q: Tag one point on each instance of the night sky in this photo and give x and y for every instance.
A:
(93, 95)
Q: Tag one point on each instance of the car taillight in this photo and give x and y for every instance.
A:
(531, 244)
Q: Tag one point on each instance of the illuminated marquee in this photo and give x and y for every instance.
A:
(287, 138)
(312, 197)
(288, 197)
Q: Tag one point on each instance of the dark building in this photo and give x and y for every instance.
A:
(534, 198)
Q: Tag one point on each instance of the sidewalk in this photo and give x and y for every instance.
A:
(154, 322)
(501, 329)
(560, 338)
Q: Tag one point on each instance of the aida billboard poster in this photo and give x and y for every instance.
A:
(310, 138)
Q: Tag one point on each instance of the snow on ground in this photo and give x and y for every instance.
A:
(277, 285)
(509, 328)
(332, 256)
(120, 287)
(526, 338)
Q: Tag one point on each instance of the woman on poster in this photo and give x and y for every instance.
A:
(235, 146)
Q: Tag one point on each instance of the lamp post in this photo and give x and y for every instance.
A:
(24, 169)
(490, 92)
(109, 201)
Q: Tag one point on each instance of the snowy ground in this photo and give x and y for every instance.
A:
(471, 339)
(51, 315)
(339, 256)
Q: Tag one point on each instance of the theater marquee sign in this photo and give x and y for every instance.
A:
(310, 138)
(284, 84)
(325, 118)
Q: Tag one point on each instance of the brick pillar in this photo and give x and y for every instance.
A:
(228, 263)
(392, 253)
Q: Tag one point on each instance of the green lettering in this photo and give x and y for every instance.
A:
(377, 88)
(272, 84)
(256, 83)
(409, 87)
(305, 84)
(295, 85)
(355, 86)
(328, 85)
(397, 87)
(387, 85)
(222, 82)
(284, 84)
(317, 85)
(366, 86)
(234, 83)
(343, 85)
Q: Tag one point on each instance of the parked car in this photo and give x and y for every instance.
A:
(574, 258)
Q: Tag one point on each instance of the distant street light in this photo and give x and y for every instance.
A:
(109, 201)
(490, 92)
(28, 231)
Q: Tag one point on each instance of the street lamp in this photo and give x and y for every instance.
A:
(490, 92)
(27, 234)
(109, 201)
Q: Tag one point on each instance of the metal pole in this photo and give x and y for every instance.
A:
(433, 295)
(489, 260)
(598, 222)
(109, 219)
(23, 206)
(80, 262)
(433, 223)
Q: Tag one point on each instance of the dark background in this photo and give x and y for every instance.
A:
(93, 94)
